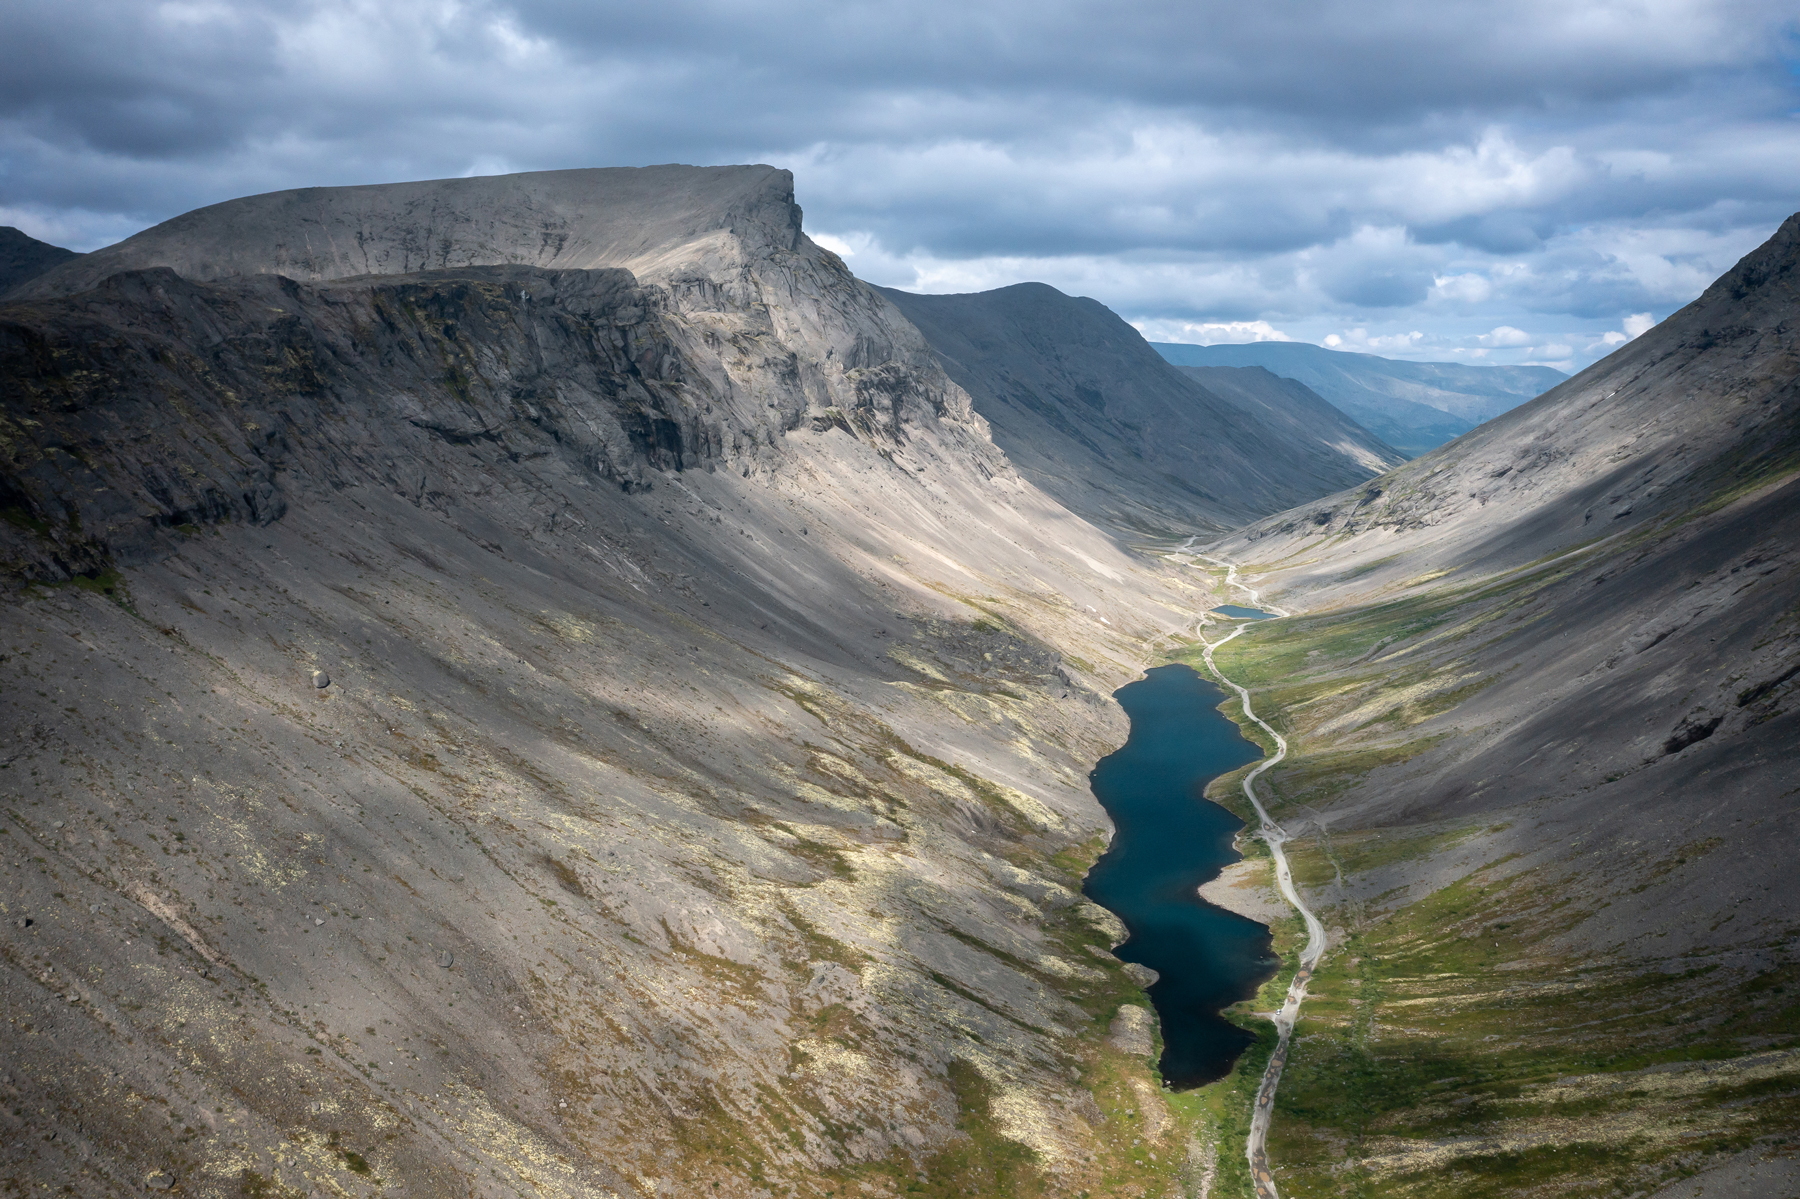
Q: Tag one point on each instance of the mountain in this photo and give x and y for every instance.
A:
(544, 684)
(651, 220)
(1086, 410)
(1542, 699)
(1298, 409)
(1413, 406)
(23, 257)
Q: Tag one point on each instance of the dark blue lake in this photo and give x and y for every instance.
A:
(1239, 612)
(1169, 840)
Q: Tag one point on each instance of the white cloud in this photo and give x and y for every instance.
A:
(1506, 335)
(1469, 288)
(1210, 333)
(1362, 340)
(488, 164)
(1633, 327)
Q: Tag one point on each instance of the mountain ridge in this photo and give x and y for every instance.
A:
(650, 220)
(591, 705)
(1085, 407)
(23, 257)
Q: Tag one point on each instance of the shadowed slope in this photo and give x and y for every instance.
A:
(1087, 410)
(23, 257)
(1316, 427)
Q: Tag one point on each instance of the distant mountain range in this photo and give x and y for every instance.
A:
(1413, 406)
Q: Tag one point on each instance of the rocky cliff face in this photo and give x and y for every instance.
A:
(741, 330)
(599, 718)
(1090, 413)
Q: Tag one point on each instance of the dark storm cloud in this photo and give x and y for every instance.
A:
(1303, 167)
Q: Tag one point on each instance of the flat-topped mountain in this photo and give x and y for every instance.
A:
(649, 220)
(1087, 410)
(594, 716)
(1413, 406)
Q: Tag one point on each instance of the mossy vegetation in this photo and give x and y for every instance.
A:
(1442, 1054)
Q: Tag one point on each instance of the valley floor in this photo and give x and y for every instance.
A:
(1521, 998)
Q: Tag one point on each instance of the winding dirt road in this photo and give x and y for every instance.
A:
(1256, 1149)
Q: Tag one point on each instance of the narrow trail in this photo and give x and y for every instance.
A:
(1256, 1148)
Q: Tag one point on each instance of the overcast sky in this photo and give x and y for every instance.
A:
(1502, 182)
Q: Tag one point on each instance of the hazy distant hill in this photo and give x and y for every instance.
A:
(24, 257)
(1089, 412)
(1413, 406)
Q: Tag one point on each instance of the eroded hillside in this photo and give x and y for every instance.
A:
(510, 729)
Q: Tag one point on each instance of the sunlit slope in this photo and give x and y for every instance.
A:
(675, 220)
(1697, 407)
